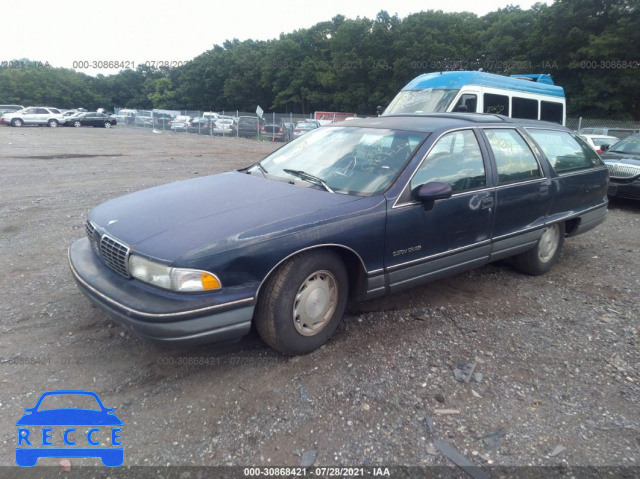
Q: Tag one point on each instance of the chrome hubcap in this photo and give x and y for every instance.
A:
(315, 303)
(548, 243)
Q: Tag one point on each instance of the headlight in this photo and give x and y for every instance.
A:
(175, 279)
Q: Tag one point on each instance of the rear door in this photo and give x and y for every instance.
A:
(523, 192)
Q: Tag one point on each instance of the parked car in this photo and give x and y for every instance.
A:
(201, 125)
(9, 109)
(303, 127)
(606, 131)
(179, 123)
(126, 116)
(224, 127)
(143, 120)
(248, 126)
(35, 115)
(161, 121)
(357, 210)
(275, 129)
(596, 141)
(91, 119)
(623, 161)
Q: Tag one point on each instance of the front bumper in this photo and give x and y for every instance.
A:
(163, 317)
(624, 189)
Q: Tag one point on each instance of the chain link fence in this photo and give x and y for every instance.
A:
(226, 123)
(272, 126)
(593, 126)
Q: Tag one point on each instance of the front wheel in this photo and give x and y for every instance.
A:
(303, 302)
(77, 124)
(16, 122)
(107, 124)
(53, 123)
(543, 256)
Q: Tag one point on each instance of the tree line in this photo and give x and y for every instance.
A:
(589, 47)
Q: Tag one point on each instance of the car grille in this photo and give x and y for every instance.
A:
(618, 170)
(114, 253)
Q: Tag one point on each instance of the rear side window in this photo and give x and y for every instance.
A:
(565, 152)
(498, 104)
(551, 111)
(524, 108)
(514, 159)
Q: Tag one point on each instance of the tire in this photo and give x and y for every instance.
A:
(77, 124)
(541, 258)
(53, 123)
(303, 302)
(107, 124)
(17, 122)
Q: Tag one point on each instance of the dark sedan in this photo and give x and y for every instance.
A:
(91, 119)
(201, 125)
(275, 130)
(623, 161)
(348, 212)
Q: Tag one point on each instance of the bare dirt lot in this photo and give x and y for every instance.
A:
(556, 356)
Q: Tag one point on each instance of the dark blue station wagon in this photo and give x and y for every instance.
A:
(347, 212)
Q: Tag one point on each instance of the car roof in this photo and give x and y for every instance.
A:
(432, 122)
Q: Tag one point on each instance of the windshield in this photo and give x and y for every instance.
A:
(630, 144)
(347, 160)
(421, 101)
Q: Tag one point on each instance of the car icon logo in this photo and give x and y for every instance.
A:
(69, 432)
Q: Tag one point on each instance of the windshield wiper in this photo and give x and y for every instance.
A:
(303, 175)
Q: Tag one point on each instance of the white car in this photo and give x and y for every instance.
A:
(180, 123)
(596, 141)
(35, 115)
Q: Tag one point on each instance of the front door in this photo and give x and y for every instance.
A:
(428, 241)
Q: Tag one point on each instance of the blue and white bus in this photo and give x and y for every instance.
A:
(531, 96)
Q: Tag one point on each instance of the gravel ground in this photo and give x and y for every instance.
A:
(552, 362)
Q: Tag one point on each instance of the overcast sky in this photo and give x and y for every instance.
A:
(68, 31)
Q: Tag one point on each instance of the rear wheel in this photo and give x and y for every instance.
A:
(17, 122)
(544, 255)
(303, 302)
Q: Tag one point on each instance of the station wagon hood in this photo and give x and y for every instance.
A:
(169, 221)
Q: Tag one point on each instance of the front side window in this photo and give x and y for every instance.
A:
(455, 159)
(514, 159)
(347, 160)
(565, 152)
(467, 103)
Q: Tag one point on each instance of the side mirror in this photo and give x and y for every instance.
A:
(430, 192)
(379, 110)
(462, 108)
(605, 147)
(434, 191)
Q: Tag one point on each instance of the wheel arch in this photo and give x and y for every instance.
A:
(353, 262)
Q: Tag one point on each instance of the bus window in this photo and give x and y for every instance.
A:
(524, 108)
(552, 112)
(498, 104)
(468, 102)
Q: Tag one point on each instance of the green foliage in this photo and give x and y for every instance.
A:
(590, 47)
